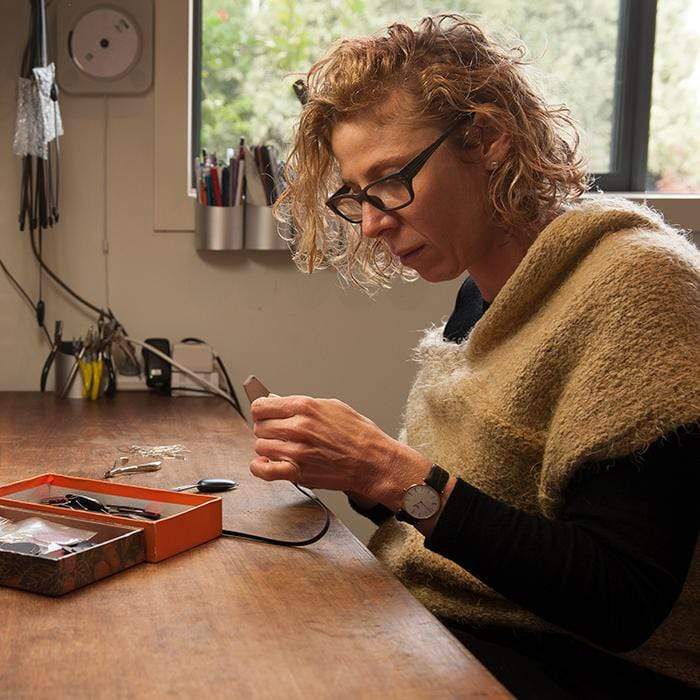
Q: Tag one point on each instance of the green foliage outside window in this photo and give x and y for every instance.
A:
(674, 136)
(253, 50)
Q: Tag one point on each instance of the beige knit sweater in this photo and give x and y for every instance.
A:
(590, 351)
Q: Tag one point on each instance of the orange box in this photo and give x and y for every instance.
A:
(187, 519)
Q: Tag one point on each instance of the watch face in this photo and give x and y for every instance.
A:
(421, 501)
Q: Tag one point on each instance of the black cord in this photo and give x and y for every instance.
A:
(231, 390)
(61, 283)
(40, 306)
(197, 391)
(210, 393)
(207, 391)
(288, 543)
(21, 290)
(229, 384)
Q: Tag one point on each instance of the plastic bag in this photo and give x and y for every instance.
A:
(41, 536)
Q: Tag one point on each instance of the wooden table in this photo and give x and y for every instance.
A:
(231, 618)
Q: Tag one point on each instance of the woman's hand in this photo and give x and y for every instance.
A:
(324, 443)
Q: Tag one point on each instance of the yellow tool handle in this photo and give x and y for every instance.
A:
(97, 367)
(86, 374)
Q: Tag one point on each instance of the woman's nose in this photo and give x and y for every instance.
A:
(375, 221)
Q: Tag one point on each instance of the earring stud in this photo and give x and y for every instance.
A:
(494, 164)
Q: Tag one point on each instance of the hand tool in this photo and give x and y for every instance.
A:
(132, 469)
(210, 486)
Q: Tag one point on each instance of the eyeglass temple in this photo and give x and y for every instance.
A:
(417, 163)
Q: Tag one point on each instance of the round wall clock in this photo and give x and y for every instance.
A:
(105, 48)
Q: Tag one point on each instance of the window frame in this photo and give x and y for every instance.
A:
(629, 148)
(634, 73)
(195, 117)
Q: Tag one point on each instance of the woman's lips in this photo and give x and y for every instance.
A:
(408, 257)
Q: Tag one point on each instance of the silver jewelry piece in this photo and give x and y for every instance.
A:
(156, 451)
(131, 469)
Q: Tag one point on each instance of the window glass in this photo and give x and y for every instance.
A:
(253, 50)
(674, 130)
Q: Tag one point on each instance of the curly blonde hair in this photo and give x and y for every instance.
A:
(449, 67)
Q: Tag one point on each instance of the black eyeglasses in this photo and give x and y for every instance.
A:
(389, 193)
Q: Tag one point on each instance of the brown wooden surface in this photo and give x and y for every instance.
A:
(231, 618)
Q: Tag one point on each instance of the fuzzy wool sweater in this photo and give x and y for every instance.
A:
(590, 352)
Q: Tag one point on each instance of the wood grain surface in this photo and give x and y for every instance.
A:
(231, 618)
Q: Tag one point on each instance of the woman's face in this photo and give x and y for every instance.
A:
(447, 228)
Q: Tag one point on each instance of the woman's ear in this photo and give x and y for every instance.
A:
(495, 143)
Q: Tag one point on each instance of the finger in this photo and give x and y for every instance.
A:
(273, 428)
(278, 450)
(274, 470)
(280, 407)
(296, 428)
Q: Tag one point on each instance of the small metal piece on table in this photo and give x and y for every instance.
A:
(132, 469)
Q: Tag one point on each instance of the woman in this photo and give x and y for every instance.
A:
(542, 485)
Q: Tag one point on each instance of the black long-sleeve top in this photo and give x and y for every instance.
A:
(612, 565)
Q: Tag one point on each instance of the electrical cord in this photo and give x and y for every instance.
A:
(218, 392)
(62, 284)
(287, 543)
(232, 391)
(20, 289)
(185, 370)
(196, 391)
(229, 384)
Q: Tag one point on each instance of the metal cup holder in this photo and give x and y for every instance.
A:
(262, 230)
(237, 228)
(218, 228)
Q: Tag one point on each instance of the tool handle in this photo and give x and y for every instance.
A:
(46, 368)
(72, 373)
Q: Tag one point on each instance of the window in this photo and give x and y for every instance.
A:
(674, 136)
(629, 71)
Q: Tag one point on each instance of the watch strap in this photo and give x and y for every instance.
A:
(437, 478)
(403, 517)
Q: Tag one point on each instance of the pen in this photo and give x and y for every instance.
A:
(216, 187)
(225, 186)
(241, 173)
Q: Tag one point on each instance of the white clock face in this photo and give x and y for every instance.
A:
(105, 43)
(421, 501)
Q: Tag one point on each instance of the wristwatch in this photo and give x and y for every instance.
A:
(423, 501)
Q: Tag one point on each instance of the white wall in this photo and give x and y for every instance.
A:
(299, 333)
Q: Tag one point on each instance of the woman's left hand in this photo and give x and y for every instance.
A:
(324, 443)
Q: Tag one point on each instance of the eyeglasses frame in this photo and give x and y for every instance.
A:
(406, 176)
